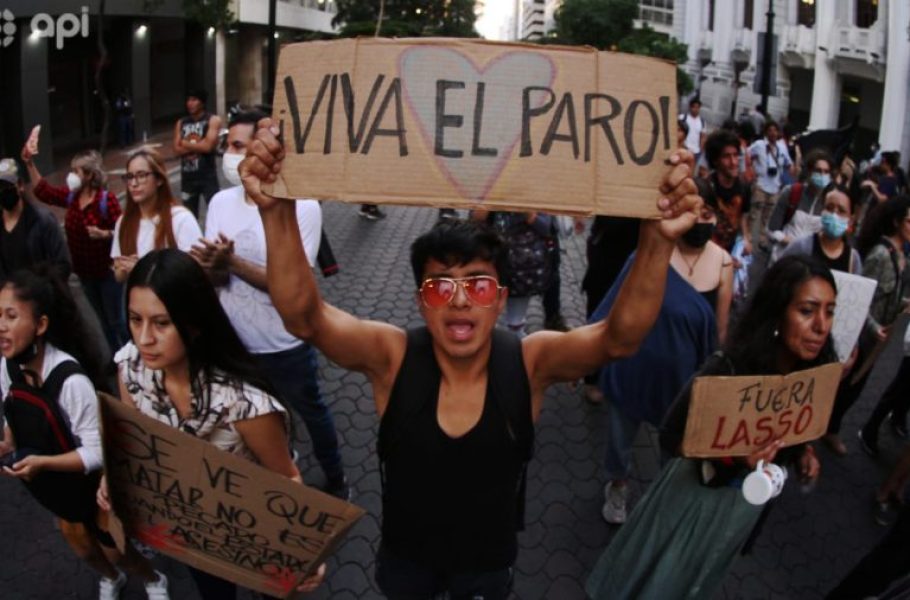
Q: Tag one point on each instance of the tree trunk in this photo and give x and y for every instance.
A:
(381, 17)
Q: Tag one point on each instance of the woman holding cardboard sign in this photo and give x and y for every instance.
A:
(682, 537)
(187, 367)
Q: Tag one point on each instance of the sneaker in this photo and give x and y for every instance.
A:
(340, 489)
(157, 590)
(614, 509)
(593, 395)
(367, 213)
(447, 213)
(109, 589)
(833, 441)
(868, 443)
(899, 427)
(556, 323)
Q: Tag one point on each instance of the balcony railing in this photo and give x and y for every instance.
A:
(863, 44)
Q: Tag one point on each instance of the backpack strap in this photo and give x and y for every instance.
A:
(57, 377)
(796, 193)
(512, 391)
(103, 205)
(15, 372)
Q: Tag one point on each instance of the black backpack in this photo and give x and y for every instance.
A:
(39, 427)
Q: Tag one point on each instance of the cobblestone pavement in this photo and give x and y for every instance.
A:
(810, 541)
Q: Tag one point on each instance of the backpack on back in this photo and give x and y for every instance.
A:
(103, 205)
(39, 427)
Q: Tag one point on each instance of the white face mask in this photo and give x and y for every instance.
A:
(229, 166)
(73, 182)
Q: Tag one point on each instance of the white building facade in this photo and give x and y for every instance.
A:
(836, 61)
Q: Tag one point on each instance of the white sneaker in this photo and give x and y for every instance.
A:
(109, 589)
(157, 590)
(614, 510)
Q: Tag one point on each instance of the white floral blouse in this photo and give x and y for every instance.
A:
(213, 412)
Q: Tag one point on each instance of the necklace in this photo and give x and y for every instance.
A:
(692, 264)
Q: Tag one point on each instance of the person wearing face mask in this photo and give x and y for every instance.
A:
(91, 214)
(797, 212)
(30, 233)
(693, 317)
(830, 245)
(233, 254)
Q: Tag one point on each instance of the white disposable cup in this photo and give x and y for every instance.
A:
(764, 483)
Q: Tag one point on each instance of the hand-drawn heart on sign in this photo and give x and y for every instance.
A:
(472, 123)
(465, 92)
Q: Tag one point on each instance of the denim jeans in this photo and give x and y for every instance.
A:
(106, 297)
(621, 434)
(294, 374)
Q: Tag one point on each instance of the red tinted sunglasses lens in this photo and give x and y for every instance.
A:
(436, 293)
(481, 290)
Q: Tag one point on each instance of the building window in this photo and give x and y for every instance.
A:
(656, 12)
(866, 12)
(748, 11)
(710, 15)
(805, 13)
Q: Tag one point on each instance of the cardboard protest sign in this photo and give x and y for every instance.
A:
(734, 416)
(213, 510)
(854, 295)
(471, 123)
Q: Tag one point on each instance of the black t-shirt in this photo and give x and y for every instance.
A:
(733, 203)
(14, 254)
(841, 263)
(196, 167)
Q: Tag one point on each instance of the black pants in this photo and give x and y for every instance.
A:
(896, 399)
(552, 307)
(885, 563)
(403, 579)
(192, 190)
(211, 587)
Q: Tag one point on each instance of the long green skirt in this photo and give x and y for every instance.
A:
(679, 541)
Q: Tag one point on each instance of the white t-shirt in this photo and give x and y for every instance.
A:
(78, 402)
(251, 310)
(185, 226)
(693, 138)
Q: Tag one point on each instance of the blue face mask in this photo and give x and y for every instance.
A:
(833, 226)
(820, 180)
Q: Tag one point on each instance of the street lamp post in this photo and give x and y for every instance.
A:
(767, 58)
(272, 54)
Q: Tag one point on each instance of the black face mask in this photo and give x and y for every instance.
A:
(699, 235)
(9, 197)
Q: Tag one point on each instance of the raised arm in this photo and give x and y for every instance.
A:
(368, 346)
(552, 356)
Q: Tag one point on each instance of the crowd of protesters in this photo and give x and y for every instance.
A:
(212, 334)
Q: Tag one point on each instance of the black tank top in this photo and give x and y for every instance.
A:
(196, 167)
(455, 504)
(841, 263)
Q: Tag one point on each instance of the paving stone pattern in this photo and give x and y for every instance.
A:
(810, 541)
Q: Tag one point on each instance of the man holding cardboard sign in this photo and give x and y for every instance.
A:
(458, 399)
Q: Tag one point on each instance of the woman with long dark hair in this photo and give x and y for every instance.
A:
(153, 218)
(187, 367)
(684, 534)
(44, 350)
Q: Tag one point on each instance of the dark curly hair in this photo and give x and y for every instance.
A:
(457, 242)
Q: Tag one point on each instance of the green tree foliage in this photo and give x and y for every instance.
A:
(599, 23)
(210, 13)
(407, 18)
(608, 25)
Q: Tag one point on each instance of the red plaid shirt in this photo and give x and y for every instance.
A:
(91, 258)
